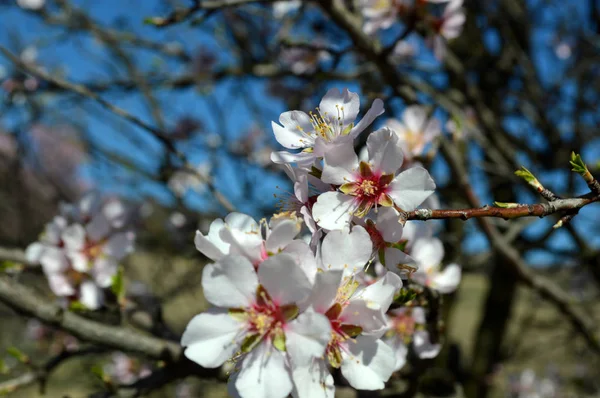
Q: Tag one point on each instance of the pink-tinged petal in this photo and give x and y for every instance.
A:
(284, 280)
(211, 245)
(303, 159)
(91, 295)
(368, 315)
(74, 237)
(375, 110)
(399, 262)
(53, 260)
(385, 152)
(340, 165)
(447, 281)
(400, 350)
(388, 224)
(212, 338)
(98, 228)
(230, 283)
(304, 257)
(411, 187)
(103, 271)
(283, 232)
(263, 373)
(381, 292)
(429, 253)
(369, 363)
(333, 210)
(340, 107)
(325, 290)
(348, 251)
(423, 346)
(306, 337)
(60, 285)
(295, 131)
(242, 233)
(313, 381)
(119, 244)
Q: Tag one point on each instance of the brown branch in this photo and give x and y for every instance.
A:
(25, 301)
(534, 210)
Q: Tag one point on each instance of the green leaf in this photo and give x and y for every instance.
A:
(77, 306)
(404, 296)
(506, 205)
(156, 21)
(578, 164)
(528, 176)
(17, 354)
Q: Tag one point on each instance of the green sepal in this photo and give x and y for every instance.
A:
(250, 342)
(279, 340)
(400, 245)
(238, 314)
(351, 330)
(118, 285)
(290, 311)
(385, 200)
(386, 179)
(315, 172)
(349, 188)
(381, 255)
(365, 169)
(404, 296)
(77, 306)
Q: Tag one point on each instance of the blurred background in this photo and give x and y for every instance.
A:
(520, 86)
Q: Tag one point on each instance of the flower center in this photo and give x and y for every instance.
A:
(403, 325)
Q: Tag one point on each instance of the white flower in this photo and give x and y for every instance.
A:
(256, 320)
(406, 325)
(183, 180)
(31, 4)
(448, 26)
(356, 314)
(415, 130)
(346, 251)
(282, 8)
(364, 185)
(318, 133)
(303, 60)
(429, 254)
(388, 242)
(241, 234)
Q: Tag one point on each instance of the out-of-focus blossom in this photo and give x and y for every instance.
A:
(125, 369)
(303, 60)
(416, 130)
(428, 254)
(447, 27)
(407, 326)
(282, 8)
(31, 4)
(183, 180)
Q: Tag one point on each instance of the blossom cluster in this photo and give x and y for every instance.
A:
(80, 249)
(289, 308)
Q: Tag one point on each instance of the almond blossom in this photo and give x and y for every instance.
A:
(321, 131)
(449, 26)
(367, 184)
(415, 130)
(256, 322)
(429, 254)
(406, 327)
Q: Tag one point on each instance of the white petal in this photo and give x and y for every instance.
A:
(447, 281)
(369, 365)
(211, 338)
(263, 374)
(345, 250)
(415, 118)
(395, 258)
(60, 285)
(429, 253)
(423, 346)
(98, 228)
(34, 252)
(119, 244)
(290, 135)
(411, 187)
(304, 257)
(91, 295)
(230, 283)
(283, 232)
(388, 224)
(333, 210)
(340, 164)
(53, 260)
(306, 337)
(382, 292)
(368, 315)
(74, 237)
(115, 212)
(283, 279)
(103, 271)
(385, 152)
(79, 261)
(414, 230)
(211, 245)
(54, 229)
(375, 110)
(313, 381)
(303, 159)
(344, 105)
(243, 235)
(400, 350)
(325, 290)
(418, 314)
